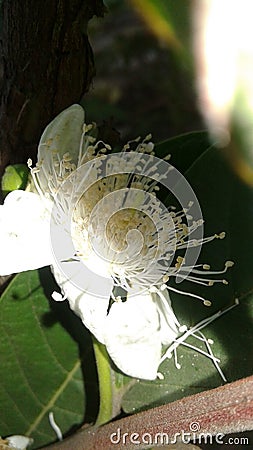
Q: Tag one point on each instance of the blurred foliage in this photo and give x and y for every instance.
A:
(170, 23)
(141, 85)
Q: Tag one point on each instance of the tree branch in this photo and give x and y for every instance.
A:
(227, 409)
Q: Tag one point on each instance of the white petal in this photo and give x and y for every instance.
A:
(19, 442)
(24, 233)
(62, 135)
(132, 337)
(86, 300)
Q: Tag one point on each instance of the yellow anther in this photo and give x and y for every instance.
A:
(66, 157)
(179, 262)
(29, 163)
(87, 128)
(229, 264)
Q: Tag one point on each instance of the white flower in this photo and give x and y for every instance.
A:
(111, 245)
(16, 442)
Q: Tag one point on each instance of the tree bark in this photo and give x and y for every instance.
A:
(46, 64)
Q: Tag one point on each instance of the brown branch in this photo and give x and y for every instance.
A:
(46, 64)
(227, 409)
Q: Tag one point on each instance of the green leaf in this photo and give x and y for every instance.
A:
(14, 177)
(169, 21)
(227, 205)
(41, 364)
(184, 149)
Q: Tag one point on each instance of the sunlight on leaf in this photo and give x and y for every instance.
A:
(14, 177)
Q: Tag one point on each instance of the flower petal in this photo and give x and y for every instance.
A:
(18, 442)
(132, 336)
(24, 233)
(61, 136)
(85, 302)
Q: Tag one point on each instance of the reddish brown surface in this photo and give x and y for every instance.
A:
(227, 409)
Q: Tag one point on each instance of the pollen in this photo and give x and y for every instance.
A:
(179, 262)
(222, 235)
(229, 264)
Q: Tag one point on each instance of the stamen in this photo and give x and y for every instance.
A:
(213, 357)
(222, 235)
(192, 332)
(29, 163)
(160, 376)
(192, 347)
(178, 366)
(33, 172)
(127, 146)
(205, 302)
(55, 427)
(228, 264)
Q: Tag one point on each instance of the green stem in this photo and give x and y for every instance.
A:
(105, 383)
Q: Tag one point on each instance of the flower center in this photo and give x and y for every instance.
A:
(122, 239)
(119, 226)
